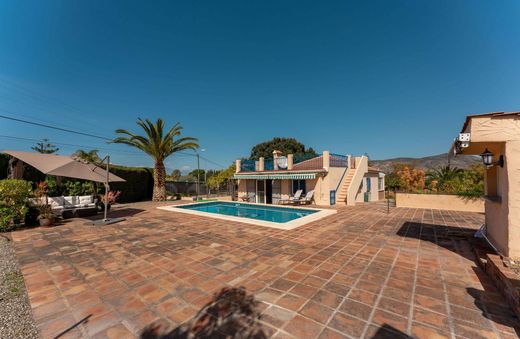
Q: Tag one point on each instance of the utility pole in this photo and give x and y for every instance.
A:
(198, 175)
(198, 172)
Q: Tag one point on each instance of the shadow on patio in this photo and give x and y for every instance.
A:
(460, 240)
(233, 313)
(448, 237)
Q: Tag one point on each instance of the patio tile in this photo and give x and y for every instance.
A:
(291, 302)
(277, 316)
(363, 296)
(430, 303)
(347, 324)
(303, 290)
(317, 312)
(329, 333)
(327, 298)
(424, 331)
(382, 318)
(431, 318)
(356, 309)
(326, 279)
(302, 327)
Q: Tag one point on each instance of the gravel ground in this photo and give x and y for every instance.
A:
(16, 319)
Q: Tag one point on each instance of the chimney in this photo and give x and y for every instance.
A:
(326, 160)
(276, 154)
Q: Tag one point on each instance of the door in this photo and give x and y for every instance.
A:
(268, 191)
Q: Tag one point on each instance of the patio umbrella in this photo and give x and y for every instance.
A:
(63, 166)
(70, 167)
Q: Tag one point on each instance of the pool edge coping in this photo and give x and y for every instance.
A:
(289, 225)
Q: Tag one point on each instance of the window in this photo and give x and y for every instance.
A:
(277, 191)
(251, 186)
(369, 186)
(298, 185)
(380, 183)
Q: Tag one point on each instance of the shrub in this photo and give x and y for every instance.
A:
(138, 185)
(14, 194)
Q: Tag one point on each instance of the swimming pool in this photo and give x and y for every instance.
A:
(258, 214)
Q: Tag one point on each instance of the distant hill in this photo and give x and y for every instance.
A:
(433, 161)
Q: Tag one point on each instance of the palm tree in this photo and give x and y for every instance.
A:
(159, 146)
(89, 156)
(443, 175)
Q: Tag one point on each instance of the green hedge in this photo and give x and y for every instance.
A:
(138, 185)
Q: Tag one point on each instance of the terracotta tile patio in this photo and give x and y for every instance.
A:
(359, 273)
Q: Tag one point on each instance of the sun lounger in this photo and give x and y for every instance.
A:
(290, 200)
(305, 200)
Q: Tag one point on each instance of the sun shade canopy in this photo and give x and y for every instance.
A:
(63, 166)
(280, 176)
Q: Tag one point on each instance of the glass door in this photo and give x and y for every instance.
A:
(260, 191)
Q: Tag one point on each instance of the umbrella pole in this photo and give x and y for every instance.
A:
(107, 188)
(106, 220)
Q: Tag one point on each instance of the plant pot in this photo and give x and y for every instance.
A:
(45, 222)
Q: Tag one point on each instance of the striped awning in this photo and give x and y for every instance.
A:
(279, 176)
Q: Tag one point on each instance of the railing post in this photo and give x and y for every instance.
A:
(261, 164)
(290, 161)
(237, 165)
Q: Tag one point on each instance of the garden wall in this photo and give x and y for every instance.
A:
(440, 202)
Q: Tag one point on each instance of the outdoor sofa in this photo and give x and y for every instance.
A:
(70, 206)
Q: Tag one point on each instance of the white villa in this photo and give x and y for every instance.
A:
(332, 178)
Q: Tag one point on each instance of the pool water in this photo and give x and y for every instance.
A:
(266, 213)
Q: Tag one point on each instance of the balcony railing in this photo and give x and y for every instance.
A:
(268, 165)
(307, 162)
(248, 166)
(338, 160)
(300, 162)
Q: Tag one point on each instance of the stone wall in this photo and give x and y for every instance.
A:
(440, 202)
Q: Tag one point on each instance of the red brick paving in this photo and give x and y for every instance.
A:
(359, 273)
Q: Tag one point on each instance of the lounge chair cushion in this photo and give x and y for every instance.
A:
(85, 200)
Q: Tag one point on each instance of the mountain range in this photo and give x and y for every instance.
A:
(429, 162)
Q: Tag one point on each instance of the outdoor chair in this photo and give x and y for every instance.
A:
(297, 196)
(248, 197)
(307, 199)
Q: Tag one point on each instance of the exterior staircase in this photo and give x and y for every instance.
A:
(351, 182)
(342, 194)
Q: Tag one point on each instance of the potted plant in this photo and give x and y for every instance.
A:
(45, 214)
(112, 199)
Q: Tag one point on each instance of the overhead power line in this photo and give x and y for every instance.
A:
(54, 127)
(88, 135)
(73, 145)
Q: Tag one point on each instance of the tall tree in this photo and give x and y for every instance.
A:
(285, 145)
(176, 174)
(197, 173)
(90, 156)
(159, 146)
(45, 147)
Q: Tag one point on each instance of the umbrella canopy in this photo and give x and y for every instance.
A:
(62, 166)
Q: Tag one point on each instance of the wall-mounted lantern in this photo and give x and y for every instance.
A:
(487, 159)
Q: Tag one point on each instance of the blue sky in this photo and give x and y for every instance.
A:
(387, 78)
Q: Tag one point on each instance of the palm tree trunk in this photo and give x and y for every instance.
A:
(159, 181)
